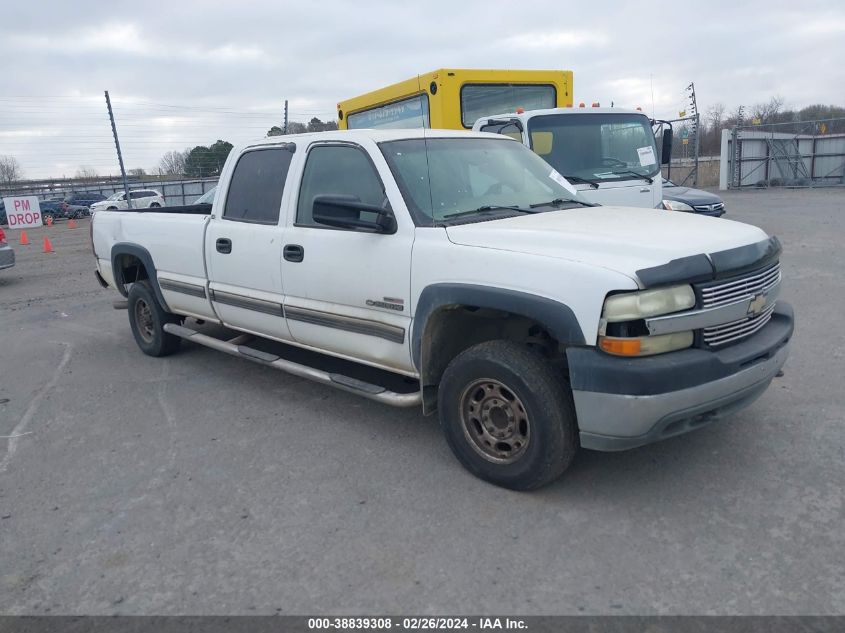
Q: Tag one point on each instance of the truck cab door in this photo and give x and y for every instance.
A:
(244, 246)
(347, 291)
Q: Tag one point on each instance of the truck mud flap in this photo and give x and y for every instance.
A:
(338, 381)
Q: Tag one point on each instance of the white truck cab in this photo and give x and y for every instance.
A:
(609, 155)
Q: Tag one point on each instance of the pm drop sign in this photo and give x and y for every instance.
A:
(23, 212)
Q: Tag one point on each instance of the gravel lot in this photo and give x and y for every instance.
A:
(203, 484)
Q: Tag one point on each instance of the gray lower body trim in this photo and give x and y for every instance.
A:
(247, 303)
(180, 286)
(391, 333)
(614, 422)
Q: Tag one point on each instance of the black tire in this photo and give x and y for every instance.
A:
(147, 319)
(535, 418)
(155, 205)
(112, 209)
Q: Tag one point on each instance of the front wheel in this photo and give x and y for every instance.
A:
(508, 415)
(147, 320)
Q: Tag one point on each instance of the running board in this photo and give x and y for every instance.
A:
(345, 383)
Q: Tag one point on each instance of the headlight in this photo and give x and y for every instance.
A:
(639, 305)
(627, 335)
(674, 205)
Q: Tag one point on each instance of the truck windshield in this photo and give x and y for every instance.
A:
(443, 178)
(598, 147)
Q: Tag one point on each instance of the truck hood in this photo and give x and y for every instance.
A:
(624, 239)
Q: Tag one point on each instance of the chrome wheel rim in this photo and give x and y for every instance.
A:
(494, 421)
(144, 320)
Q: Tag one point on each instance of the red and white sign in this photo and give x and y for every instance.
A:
(23, 212)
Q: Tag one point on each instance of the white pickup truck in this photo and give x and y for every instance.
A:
(454, 271)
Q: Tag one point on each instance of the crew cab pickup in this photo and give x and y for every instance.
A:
(456, 272)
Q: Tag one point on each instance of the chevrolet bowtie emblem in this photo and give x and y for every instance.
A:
(757, 304)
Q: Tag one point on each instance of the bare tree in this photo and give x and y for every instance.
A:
(86, 173)
(768, 112)
(137, 172)
(173, 163)
(10, 170)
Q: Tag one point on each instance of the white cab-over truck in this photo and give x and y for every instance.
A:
(608, 154)
(454, 271)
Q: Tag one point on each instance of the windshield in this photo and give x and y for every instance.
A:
(207, 197)
(597, 147)
(442, 177)
(115, 196)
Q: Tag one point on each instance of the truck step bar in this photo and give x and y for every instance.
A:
(338, 381)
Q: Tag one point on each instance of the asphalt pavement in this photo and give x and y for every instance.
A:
(204, 484)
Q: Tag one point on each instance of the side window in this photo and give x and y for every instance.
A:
(339, 170)
(255, 191)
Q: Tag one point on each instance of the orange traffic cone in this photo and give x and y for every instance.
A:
(49, 220)
(24, 239)
(71, 224)
(48, 247)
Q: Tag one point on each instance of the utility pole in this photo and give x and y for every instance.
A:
(119, 155)
(285, 128)
(695, 130)
(736, 175)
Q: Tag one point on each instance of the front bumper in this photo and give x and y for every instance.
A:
(623, 403)
(7, 257)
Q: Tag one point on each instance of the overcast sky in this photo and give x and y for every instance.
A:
(184, 73)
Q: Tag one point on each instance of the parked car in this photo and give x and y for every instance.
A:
(677, 198)
(51, 208)
(141, 199)
(207, 197)
(534, 322)
(7, 254)
(3, 218)
(84, 198)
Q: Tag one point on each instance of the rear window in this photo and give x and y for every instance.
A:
(255, 191)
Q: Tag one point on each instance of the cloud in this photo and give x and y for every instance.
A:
(230, 66)
(557, 40)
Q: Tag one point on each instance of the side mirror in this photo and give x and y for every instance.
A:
(345, 212)
(666, 149)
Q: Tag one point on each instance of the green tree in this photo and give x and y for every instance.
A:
(204, 161)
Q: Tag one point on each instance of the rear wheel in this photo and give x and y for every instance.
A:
(147, 320)
(508, 415)
(155, 205)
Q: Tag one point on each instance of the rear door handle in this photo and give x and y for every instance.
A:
(293, 253)
(224, 245)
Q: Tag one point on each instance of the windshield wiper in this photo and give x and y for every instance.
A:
(560, 201)
(633, 173)
(585, 181)
(487, 207)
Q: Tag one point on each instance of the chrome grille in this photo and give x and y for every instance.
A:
(735, 290)
(710, 207)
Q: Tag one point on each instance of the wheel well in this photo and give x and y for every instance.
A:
(129, 269)
(452, 329)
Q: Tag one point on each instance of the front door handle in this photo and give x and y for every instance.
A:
(224, 245)
(293, 253)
